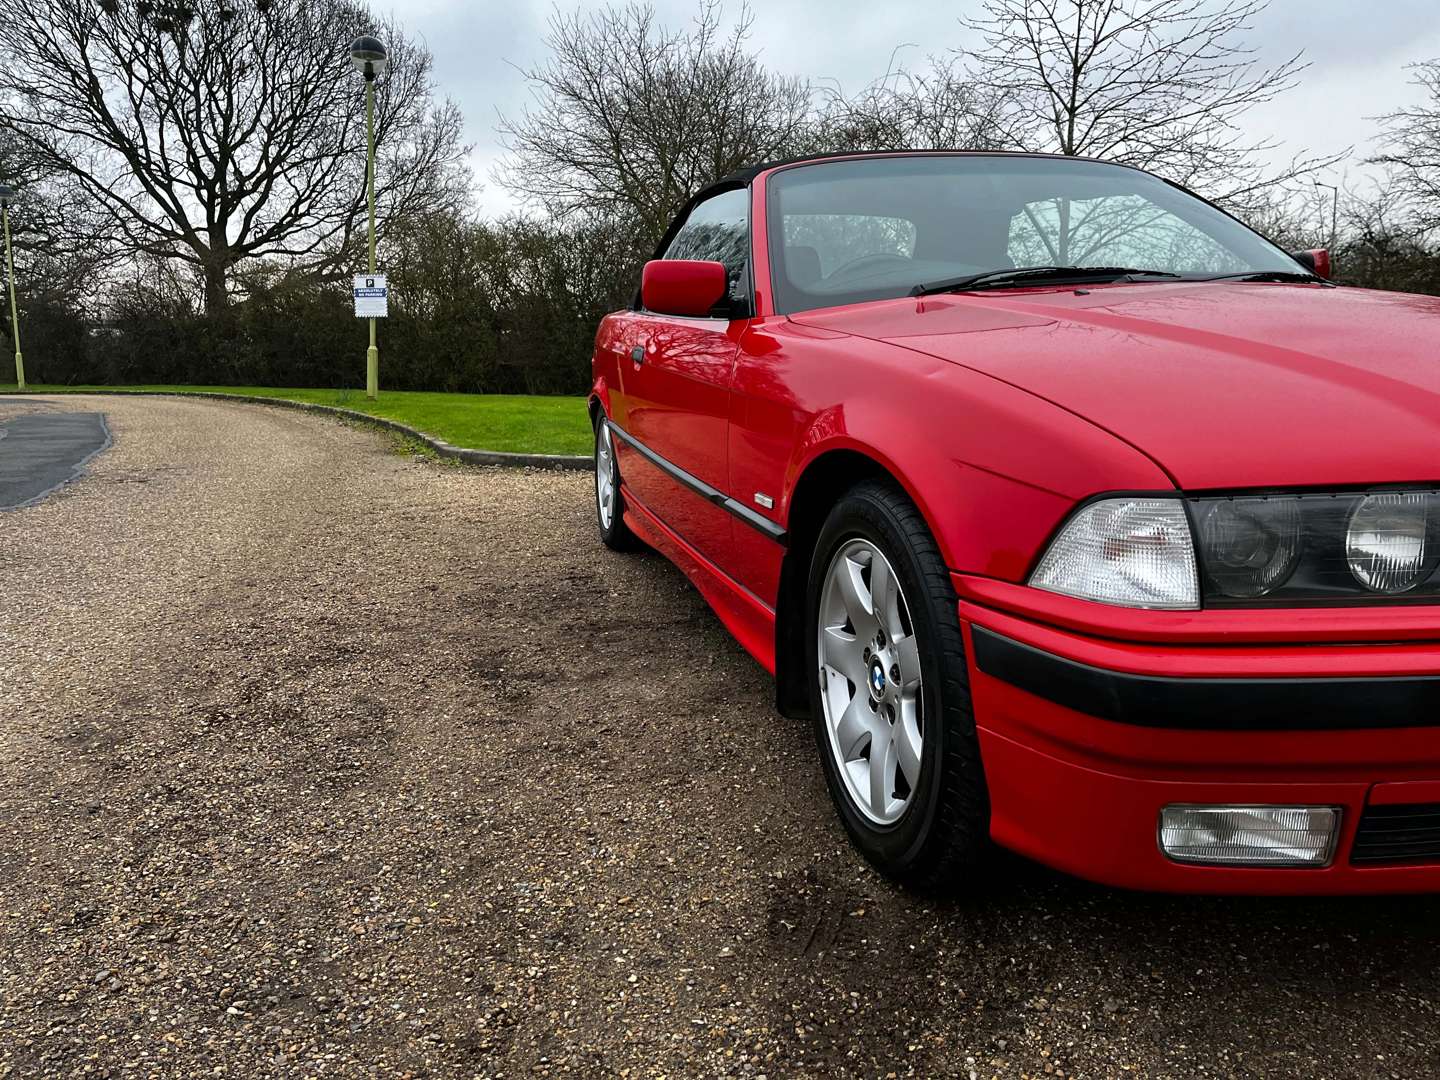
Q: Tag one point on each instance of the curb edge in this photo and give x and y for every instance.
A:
(441, 448)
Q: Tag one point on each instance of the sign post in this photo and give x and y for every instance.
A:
(372, 358)
(370, 58)
(7, 195)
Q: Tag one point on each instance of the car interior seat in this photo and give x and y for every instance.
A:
(802, 264)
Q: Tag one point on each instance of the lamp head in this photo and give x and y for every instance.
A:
(369, 56)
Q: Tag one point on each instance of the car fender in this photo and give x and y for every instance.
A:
(992, 468)
(831, 431)
(609, 344)
(599, 396)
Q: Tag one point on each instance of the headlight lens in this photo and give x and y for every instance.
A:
(1362, 547)
(1250, 545)
(1387, 544)
(1132, 552)
(1341, 548)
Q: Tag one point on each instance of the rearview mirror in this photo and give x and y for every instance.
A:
(683, 286)
(1316, 259)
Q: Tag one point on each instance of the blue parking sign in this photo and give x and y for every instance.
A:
(372, 297)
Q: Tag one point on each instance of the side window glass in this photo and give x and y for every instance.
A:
(718, 230)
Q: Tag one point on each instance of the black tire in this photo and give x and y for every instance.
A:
(944, 831)
(616, 535)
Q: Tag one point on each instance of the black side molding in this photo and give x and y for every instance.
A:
(758, 522)
(1286, 704)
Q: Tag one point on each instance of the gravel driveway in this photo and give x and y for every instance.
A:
(317, 760)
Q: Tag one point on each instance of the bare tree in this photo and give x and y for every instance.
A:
(630, 119)
(60, 243)
(1381, 247)
(217, 131)
(938, 109)
(1300, 216)
(1162, 84)
(1412, 150)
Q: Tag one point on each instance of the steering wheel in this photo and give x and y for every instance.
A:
(850, 268)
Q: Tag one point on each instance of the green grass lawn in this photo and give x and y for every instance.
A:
(514, 423)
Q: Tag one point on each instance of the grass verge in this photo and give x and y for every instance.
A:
(511, 423)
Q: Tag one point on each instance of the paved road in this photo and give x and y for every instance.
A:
(43, 449)
(320, 761)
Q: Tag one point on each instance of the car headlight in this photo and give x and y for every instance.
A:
(1342, 548)
(1249, 550)
(1249, 545)
(1134, 552)
(1387, 544)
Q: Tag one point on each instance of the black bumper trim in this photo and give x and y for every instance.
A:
(1202, 704)
(1390, 835)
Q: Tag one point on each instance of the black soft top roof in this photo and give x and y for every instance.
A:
(750, 172)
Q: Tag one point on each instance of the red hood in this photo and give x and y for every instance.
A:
(1225, 385)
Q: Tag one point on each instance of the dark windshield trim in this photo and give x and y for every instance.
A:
(753, 172)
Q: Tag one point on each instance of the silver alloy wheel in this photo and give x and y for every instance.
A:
(605, 476)
(870, 681)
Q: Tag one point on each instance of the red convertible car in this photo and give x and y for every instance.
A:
(1077, 517)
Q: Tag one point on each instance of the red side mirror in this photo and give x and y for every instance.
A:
(1317, 259)
(683, 286)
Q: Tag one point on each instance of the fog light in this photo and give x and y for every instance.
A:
(1250, 835)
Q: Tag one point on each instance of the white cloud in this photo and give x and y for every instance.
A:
(1357, 54)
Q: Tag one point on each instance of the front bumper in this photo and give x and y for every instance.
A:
(1085, 739)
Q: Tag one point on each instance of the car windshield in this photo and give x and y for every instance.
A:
(876, 228)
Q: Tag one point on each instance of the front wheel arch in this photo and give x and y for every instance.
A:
(823, 483)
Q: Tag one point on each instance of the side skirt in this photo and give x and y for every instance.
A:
(745, 615)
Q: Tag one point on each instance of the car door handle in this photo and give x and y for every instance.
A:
(638, 354)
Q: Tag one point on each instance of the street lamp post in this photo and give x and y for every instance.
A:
(7, 196)
(1334, 212)
(370, 59)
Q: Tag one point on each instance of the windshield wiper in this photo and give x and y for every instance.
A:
(1269, 275)
(992, 279)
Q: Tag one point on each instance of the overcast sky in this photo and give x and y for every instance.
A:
(1357, 49)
